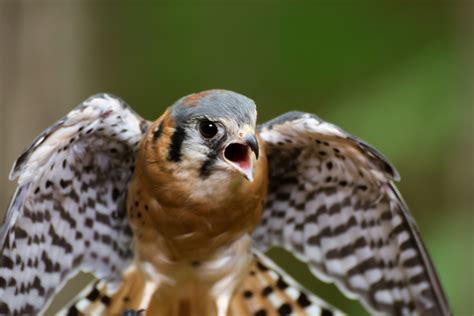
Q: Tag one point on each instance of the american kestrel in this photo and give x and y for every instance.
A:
(172, 216)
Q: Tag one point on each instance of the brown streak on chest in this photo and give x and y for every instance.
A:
(160, 205)
(189, 245)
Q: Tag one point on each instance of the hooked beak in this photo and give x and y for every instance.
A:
(239, 155)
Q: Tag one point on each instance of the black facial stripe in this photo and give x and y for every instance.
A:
(157, 133)
(177, 139)
(207, 166)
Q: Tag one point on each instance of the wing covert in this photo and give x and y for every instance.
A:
(68, 212)
(332, 202)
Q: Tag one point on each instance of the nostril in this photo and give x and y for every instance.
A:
(237, 153)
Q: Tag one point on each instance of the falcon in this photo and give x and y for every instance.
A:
(172, 217)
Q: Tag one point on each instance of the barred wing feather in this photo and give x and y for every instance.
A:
(333, 203)
(68, 212)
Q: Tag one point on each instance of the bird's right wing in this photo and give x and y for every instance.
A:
(68, 212)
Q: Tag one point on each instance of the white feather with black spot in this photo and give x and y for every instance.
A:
(293, 291)
(332, 202)
(68, 212)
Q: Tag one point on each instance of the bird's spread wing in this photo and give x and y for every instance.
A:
(332, 202)
(68, 212)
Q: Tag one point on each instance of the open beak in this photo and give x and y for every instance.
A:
(239, 155)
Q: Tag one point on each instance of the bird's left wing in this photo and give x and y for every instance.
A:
(332, 202)
(68, 212)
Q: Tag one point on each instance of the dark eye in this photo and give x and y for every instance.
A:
(208, 129)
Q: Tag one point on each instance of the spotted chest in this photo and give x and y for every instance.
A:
(191, 241)
(171, 200)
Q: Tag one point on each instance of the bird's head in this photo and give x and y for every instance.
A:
(215, 132)
(213, 135)
(202, 167)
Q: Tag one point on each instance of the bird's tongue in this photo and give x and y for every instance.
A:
(245, 164)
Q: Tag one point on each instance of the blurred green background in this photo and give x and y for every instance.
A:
(398, 75)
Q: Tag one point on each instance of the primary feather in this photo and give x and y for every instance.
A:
(332, 202)
(68, 212)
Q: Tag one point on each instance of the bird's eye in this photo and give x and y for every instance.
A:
(208, 129)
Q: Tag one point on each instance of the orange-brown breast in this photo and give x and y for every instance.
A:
(163, 215)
